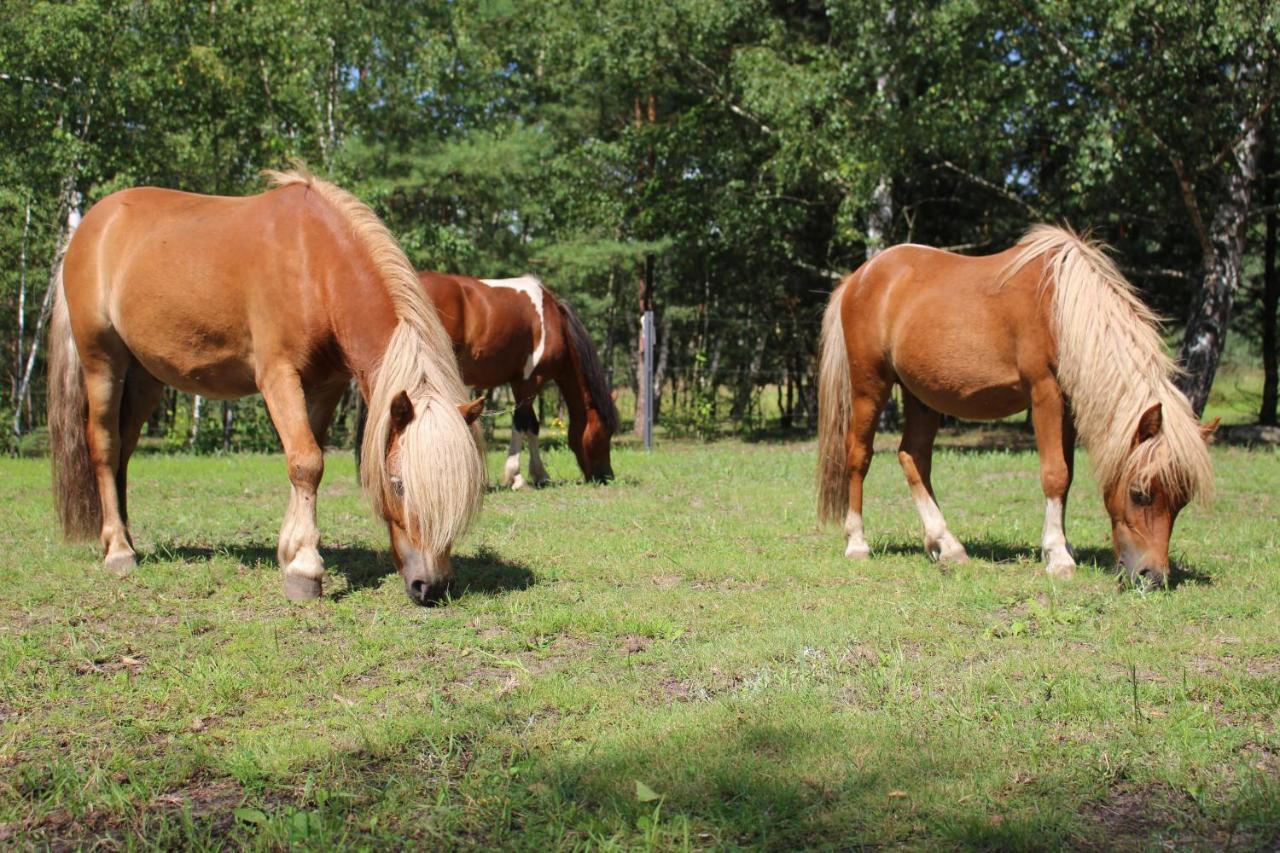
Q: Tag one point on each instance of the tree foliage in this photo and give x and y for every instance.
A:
(749, 148)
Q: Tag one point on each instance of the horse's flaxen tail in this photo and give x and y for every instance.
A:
(75, 487)
(835, 410)
(588, 361)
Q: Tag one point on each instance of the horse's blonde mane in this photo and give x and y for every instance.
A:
(441, 465)
(1113, 366)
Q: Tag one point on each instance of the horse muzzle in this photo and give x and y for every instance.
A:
(426, 581)
(1145, 572)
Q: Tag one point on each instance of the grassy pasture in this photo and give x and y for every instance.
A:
(680, 659)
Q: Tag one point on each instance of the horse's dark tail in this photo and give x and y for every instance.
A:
(588, 361)
(75, 486)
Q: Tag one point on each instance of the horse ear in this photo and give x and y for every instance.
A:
(471, 411)
(1207, 430)
(1149, 424)
(401, 412)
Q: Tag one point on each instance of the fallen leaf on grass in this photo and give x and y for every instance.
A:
(644, 793)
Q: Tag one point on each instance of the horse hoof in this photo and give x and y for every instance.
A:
(121, 561)
(301, 587)
(857, 552)
(518, 483)
(951, 552)
(1061, 571)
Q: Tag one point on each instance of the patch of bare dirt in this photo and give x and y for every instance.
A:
(634, 644)
(728, 585)
(108, 665)
(860, 656)
(1141, 817)
(209, 803)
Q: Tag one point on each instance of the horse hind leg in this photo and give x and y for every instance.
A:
(142, 393)
(105, 365)
(915, 454)
(869, 396)
(298, 549)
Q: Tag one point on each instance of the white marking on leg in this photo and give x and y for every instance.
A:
(1057, 552)
(938, 540)
(299, 536)
(531, 287)
(857, 548)
(511, 471)
(536, 469)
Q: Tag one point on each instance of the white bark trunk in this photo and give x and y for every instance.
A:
(1206, 332)
(71, 202)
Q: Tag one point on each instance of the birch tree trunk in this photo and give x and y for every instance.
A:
(1270, 297)
(22, 317)
(197, 411)
(68, 206)
(1211, 308)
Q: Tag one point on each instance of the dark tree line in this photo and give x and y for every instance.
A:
(719, 161)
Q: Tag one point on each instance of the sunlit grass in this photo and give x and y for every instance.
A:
(681, 658)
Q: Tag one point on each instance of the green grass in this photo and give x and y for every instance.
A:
(679, 659)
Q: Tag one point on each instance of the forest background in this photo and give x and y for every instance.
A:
(721, 161)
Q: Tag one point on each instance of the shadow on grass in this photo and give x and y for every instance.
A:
(485, 572)
(1000, 551)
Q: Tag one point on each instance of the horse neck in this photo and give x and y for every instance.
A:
(363, 319)
(574, 389)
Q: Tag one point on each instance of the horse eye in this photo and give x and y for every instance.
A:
(397, 486)
(1140, 498)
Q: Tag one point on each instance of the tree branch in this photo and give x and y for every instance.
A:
(1186, 183)
(995, 188)
(719, 95)
(1266, 96)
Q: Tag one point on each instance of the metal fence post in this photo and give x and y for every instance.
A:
(648, 333)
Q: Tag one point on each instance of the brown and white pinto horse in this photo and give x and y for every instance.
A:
(291, 293)
(515, 332)
(1051, 324)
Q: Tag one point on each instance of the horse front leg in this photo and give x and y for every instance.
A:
(298, 549)
(915, 454)
(1055, 440)
(537, 471)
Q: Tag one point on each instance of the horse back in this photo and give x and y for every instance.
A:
(950, 328)
(208, 291)
(506, 331)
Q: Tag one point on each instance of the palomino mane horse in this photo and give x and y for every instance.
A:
(290, 293)
(1051, 324)
(515, 332)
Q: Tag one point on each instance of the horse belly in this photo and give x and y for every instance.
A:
(971, 400)
(192, 356)
(958, 374)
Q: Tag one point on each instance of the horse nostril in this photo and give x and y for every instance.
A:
(426, 593)
(1150, 578)
(418, 591)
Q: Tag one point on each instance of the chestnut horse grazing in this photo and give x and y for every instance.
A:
(291, 293)
(515, 332)
(1051, 324)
